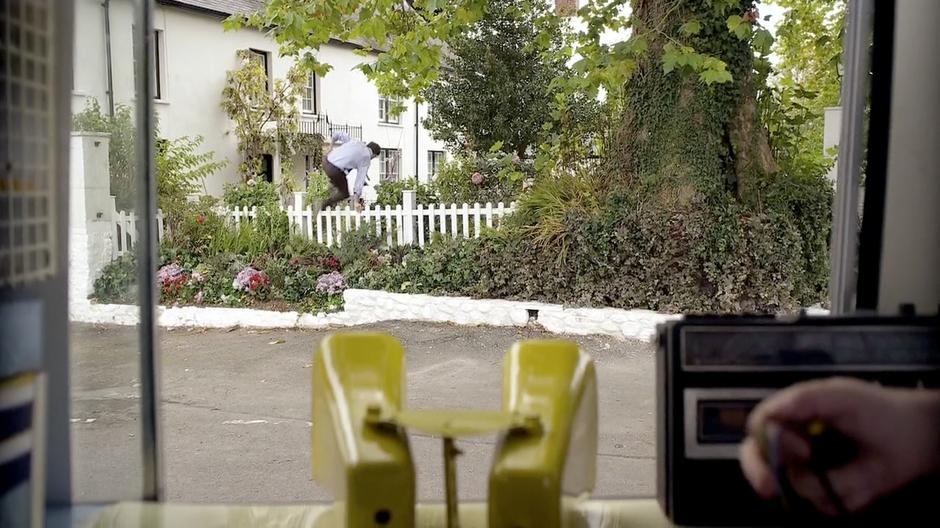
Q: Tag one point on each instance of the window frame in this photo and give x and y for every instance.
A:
(387, 155)
(265, 58)
(436, 159)
(311, 95)
(385, 111)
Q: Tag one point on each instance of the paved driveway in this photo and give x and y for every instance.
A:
(236, 410)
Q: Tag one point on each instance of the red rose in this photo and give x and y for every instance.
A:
(200, 219)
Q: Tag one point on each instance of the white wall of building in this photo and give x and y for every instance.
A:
(196, 54)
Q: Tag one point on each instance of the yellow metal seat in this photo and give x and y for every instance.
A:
(548, 433)
(368, 469)
(533, 472)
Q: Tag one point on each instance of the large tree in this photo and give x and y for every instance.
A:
(497, 84)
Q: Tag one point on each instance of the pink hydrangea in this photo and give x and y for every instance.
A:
(332, 283)
(171, 278)
(477, 178)
(250, 280)
(169, 273)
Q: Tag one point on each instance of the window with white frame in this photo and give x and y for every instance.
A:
(264, 59)
(309, 100)
(386, 106)
(390, 165)
(159, 52)
(435, 162)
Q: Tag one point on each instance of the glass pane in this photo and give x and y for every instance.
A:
(104, 230)
(623, 223)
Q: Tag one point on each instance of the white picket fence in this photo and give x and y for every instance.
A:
(125, 231)
(405, 224)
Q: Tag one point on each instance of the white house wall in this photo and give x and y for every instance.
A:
(197, 53)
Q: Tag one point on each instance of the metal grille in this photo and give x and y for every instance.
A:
(27, 157)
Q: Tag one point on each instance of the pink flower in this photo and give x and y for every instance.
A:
(752, 15)
(476, 178)
(200, 219)
(332, 283)
(250, 280)
(199, 297)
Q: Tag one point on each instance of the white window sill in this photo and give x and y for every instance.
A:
(80, 93)
(394, 125)
(161, 101)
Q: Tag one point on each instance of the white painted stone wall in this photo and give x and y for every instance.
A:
(368, 306)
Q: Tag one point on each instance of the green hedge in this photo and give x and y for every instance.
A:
(628, 255)
(564, 245)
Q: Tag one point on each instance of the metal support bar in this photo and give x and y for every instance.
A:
(451, 452)
(844, 250)
(146, 257)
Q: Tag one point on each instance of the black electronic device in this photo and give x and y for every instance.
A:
(711, 371)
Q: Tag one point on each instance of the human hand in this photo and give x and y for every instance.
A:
(896, 433)
(358, 206)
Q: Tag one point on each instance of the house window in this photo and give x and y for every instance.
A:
(264, 59)
(158, 53)
(389, 165)
(310, 95)
(435, 162)
(158, 87)
(386, 105)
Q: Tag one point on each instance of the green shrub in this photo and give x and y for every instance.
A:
(118, 281)
(180, 170)
(255, 194)
(390, 192)
(446, 266)
(499, 178)
(546, 210)
(627, 251)
(358, 244)
(318, 187)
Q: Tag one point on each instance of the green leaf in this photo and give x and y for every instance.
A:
(670, 61)
(640, 45)
(763, 40)
(715, 76)
(497, 146)
(733, 22)
(692, 27)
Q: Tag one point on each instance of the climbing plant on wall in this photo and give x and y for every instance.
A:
(265, 116)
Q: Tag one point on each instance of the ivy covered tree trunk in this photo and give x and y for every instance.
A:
(679, 135)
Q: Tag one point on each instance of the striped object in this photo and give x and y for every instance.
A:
(18, 403)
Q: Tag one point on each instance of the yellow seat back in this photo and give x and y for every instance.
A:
(368, 469)
(532, 472)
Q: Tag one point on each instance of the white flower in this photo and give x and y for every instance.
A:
(251, 182)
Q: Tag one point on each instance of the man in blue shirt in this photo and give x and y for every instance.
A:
(354, 155)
